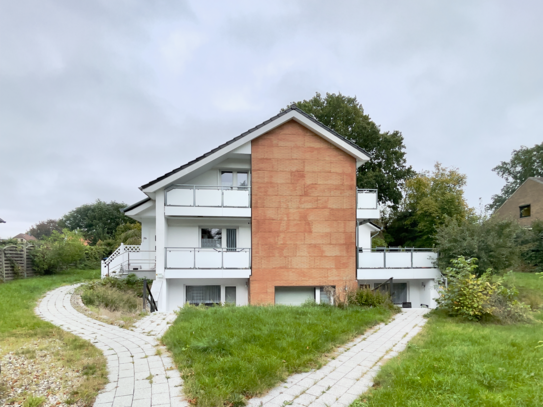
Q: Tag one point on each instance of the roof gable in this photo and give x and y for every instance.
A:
(292, 113)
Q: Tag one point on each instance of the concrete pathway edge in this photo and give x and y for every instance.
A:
(340, 382)
(138, 376)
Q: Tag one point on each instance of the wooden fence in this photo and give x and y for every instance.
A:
(15, 262)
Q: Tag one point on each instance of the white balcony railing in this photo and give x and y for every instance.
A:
(367, 199)
(128, 258)
(207, 258)
(208, 196)
(396, 258)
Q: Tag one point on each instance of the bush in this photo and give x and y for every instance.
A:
(531, 245)
(58, 252)
(365, 297)
(492, 242)
(475, 298)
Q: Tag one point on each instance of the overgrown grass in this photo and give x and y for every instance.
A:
(20, 327)
(229, 354)
(458, 363)
(114, 300)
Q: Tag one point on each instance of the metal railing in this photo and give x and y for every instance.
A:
(208, 196)
(128, 258)
(396, 257)
(207, 258)
(367, 199)
(148, 298)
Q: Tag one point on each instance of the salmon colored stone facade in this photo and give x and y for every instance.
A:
(303, 213)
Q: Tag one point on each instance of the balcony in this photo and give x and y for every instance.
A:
(367, 206)
(205, 200)
(128, 259)
(204, 262)
(400, 263)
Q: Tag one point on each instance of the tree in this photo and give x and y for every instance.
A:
(44, 228)
(525, 162)
(431, 199)
(386, 170)
(97, 221)
(494, 243)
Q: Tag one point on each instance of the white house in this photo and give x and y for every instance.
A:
(272, 216)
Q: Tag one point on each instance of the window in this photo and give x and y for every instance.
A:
(230, 295)
(211, 237)
(237, 179)
(227, 178)
(525, 211)
(204, 294)
(231, 240)
(399, 292)
(365, 286)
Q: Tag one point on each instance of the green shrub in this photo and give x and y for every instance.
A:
(365, 297)
(530, 241)
(475, 298)
(62, 250)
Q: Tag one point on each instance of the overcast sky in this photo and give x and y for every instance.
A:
(99, 97)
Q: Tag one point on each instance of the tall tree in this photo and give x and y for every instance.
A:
(525, 162)
(97, 221)
(431, 199)
(44, 228)
(386, 170)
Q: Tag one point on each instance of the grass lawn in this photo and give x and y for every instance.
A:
(457, 363)
(34, 352)
(229, 354)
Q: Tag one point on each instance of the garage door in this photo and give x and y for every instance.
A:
(293, 295)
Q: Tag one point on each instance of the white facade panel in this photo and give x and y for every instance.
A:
(180, 196)
(236, 198)
(368, 213)
(176, 290)
(211, 212)
(208, 273)
(208, 197)
(404, 274)
(367, 200)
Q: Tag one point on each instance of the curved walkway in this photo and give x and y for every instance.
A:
(351, 373)
(138, 376)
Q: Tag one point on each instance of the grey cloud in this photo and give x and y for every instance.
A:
(98, 98)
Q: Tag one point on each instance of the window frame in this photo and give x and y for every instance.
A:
(235, 178)
(522, 208)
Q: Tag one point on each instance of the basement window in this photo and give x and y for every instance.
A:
(525, 211)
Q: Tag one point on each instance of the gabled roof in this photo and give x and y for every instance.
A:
(2, 221)
(133, 206)
(290, 110)
(25, 237)
(538, 179)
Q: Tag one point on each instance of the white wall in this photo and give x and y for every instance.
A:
(148, 227)
(186, 232)
(176, 290)
(364, 235)
(418, 291)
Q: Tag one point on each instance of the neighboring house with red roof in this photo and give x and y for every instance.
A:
(526, 203)
(23, 237)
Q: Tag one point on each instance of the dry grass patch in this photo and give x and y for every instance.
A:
(113, 301)
(42, 365)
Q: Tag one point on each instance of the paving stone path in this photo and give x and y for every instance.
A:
(132, 360)
(138, 376)
(351, 373)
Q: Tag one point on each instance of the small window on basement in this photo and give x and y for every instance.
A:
(525, 211)
(211, 237)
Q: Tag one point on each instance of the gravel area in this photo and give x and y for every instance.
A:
(33, 371)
